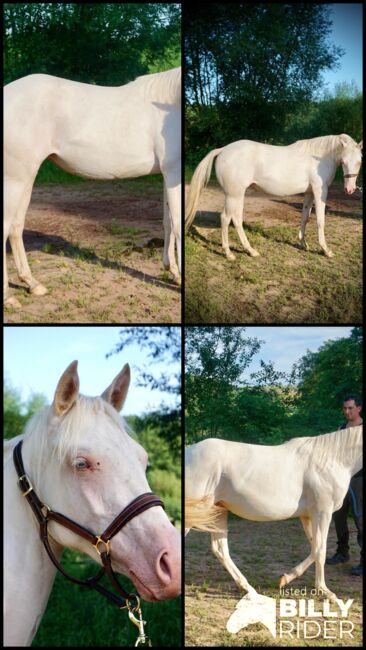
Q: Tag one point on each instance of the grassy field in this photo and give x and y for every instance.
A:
(79, 617)
(285, 284)
(97, 247)
(262, 552)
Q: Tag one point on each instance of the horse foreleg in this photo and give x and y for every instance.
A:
(320, 525)
(320, 197)
(300, 568)
(169, 241)
(306, 211)
(22, 197)
(173, 195)
(220, 549)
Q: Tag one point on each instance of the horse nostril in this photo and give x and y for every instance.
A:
(163, 568)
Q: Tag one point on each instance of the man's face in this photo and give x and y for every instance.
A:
(351, 410)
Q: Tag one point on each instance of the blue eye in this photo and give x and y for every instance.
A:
(81, 463)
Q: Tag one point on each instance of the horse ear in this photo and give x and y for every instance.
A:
(116, 393)
(67, 390)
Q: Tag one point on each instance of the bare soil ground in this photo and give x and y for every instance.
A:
(262, 552)
(98, 248)
(285, 284)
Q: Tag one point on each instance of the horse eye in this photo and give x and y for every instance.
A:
(80, 463)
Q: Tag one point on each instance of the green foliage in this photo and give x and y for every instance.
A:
(16, 412)
(101, 43)
(255, 71)
(326, 377)
(276, 406)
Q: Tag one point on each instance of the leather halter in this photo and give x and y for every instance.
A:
(101, 543)
(350, 175)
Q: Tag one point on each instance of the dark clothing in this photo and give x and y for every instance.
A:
(353, 500)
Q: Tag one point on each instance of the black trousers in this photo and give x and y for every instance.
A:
(353, 500)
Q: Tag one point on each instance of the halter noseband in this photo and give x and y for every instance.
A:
(350, 175)
(101, 543)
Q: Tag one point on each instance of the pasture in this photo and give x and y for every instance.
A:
(285, 284)
(262, 551)
(97, 247)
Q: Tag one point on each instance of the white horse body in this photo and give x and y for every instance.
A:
(95, 132)
(304, 477)
(83, 464)
(306, 166)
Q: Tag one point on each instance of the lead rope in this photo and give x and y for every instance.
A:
(142, 638)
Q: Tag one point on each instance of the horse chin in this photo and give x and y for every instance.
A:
(142, 589)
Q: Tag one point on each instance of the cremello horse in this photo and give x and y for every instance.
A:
(304, 477)
(95, 132)
(82, 462)
(307, 166)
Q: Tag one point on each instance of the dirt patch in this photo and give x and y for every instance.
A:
(285, 284)
(262, 552)
(97, 247)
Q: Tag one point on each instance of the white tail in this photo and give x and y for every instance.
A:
(202, 515)
(199, 179)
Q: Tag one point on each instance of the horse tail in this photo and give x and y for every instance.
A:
(200, 178)
(202, 515)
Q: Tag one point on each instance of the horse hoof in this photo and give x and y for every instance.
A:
(39, 290)
(231, 257)
(283, 581)
(329, 254)
(253, 253)
(12, 303)
(177, 280)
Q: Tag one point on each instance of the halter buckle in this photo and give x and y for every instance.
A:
(142, 638)
(28, 488)
(101, 541)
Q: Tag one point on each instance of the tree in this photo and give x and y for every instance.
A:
(326, 377)
(216, 358)
(250, 66)
(16, 412)
(103, 43)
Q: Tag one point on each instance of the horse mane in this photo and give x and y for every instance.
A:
(162, 87)
(330, 447)
(69, 429)
(323, 145)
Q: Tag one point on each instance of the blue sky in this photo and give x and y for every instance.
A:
(35, 358)
(285, 345)
(347, 33)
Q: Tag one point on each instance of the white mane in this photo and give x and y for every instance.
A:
(329, 447)
(69, 430)
(323, 144)
(162, 87)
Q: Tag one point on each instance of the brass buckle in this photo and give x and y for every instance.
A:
(30, 488)
(101, 541)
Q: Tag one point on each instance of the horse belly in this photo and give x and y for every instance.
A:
(95, 164)
(257, 504)
(282, 186)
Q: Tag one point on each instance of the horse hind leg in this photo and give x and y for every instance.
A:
(306, 211)
(220, 549)
(17, 245)
(234, 211)
(297, 571)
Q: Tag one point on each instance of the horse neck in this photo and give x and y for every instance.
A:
(29, 574)
(352, 453)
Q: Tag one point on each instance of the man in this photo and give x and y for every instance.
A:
(352, 407)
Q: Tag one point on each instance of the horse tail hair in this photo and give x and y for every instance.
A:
(200, 178)
(202, 514)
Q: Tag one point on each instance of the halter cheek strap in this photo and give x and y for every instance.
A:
(101, 543)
